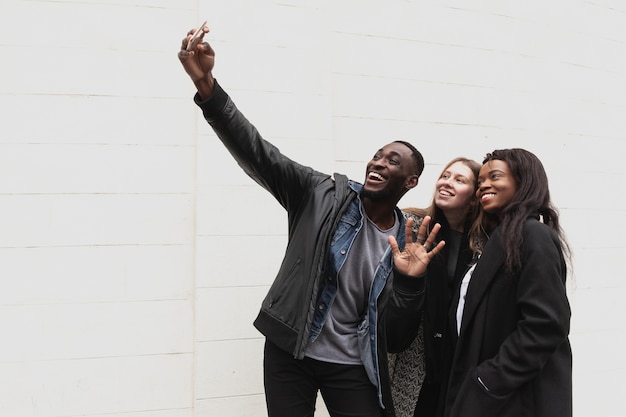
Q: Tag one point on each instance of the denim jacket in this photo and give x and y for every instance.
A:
(349, 226)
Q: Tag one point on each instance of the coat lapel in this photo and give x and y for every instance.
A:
(486, 270)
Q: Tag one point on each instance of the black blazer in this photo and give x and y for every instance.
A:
(512, 355)
(439, 337)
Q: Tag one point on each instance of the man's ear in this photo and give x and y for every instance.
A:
(412, 182)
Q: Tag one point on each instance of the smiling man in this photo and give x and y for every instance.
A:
(350, 285)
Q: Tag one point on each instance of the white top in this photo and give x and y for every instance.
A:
(463, 292)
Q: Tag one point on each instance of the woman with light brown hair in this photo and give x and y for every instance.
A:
(420, 370)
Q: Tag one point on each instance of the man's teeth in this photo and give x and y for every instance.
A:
(376, 176)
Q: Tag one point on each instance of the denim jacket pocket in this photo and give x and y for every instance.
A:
(348, 222)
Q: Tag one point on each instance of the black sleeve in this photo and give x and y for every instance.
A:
(404, 311)
(284, 178)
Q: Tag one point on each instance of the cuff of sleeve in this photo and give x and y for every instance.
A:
(214, 105)
(409, 284)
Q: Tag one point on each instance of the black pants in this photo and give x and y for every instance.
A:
(291, 387)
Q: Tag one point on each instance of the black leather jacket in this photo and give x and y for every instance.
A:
(314, 202)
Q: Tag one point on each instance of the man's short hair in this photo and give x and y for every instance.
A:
(417, 156)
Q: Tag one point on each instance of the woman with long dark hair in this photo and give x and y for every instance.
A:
(512, 354)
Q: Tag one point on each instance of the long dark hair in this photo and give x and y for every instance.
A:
(532, 196)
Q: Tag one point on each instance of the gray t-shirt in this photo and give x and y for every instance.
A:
(337, 342)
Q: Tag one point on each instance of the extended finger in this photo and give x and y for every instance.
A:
(421, 232)
(185, 41)
(437, 249)
(431, 237)
(394, 245)
(408, 229)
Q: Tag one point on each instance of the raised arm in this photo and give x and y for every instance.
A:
(404, 310)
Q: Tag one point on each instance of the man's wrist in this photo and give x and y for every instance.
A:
(205, 87)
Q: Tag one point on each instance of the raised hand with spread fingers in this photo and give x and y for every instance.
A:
(418, 251)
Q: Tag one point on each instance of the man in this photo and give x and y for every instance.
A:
(345, 292)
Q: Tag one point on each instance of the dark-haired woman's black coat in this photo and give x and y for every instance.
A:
(512, 355)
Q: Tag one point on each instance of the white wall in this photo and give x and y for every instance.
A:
(134, 253)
